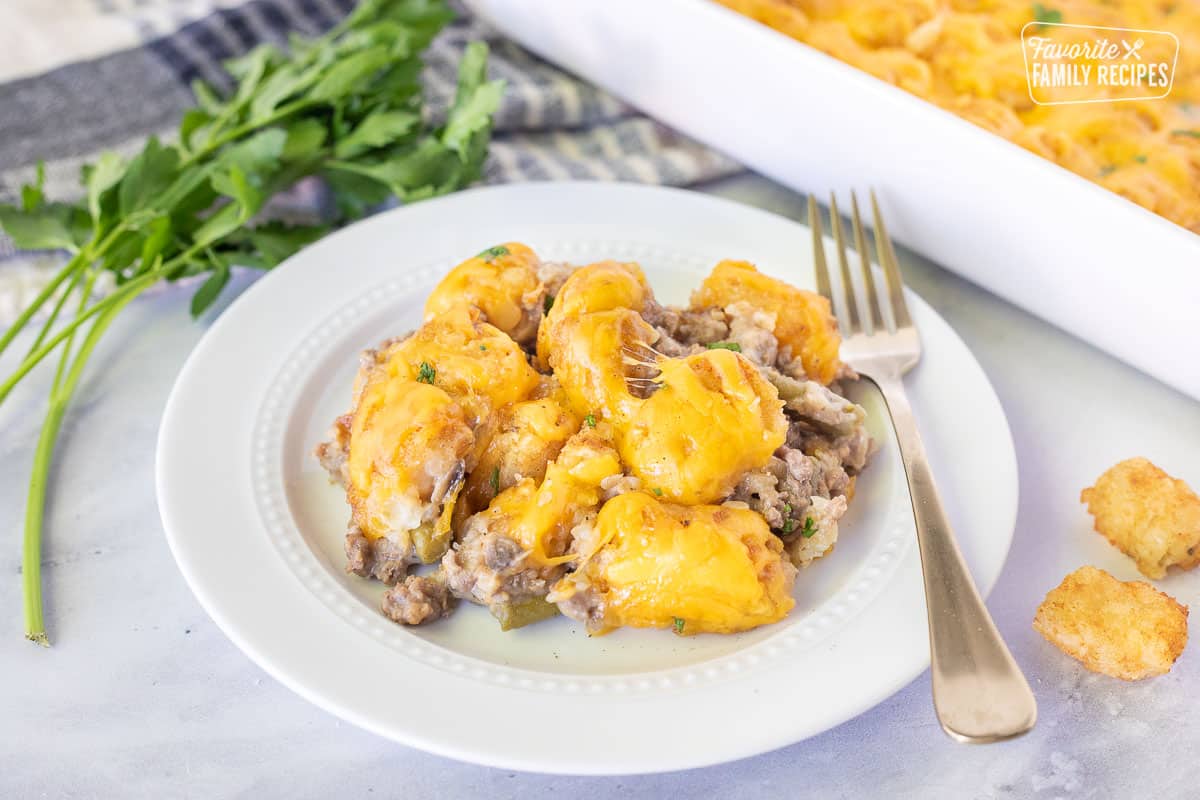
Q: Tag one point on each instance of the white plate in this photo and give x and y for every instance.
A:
(1059, 246)
(257, 531)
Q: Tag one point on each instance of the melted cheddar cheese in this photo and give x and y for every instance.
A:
(404, 437)
(412, 430)
(475, 362)
(540, 516)
(803, 320)
(712, 419)
(694, 569)
(518, 443)
(502, 283)
(604, 286)
(690, 428)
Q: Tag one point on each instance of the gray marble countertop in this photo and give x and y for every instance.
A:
(142, 696)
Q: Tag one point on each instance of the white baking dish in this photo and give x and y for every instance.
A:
(1067, 250)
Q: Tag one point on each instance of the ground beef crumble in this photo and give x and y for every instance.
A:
(420, 599)
(381, 559)
(486, 567)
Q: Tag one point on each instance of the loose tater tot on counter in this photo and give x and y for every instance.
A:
(1147, 515)
(1128, 630)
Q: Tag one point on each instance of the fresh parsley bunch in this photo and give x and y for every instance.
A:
(346, 106)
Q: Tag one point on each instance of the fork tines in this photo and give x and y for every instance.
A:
(843, 296)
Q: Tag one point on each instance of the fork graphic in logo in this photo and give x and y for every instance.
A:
(1132, 50)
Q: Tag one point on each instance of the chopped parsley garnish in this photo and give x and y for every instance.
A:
(1046, 16)
(483, 347)
(1141, 159)
(1107, 170)
(548, 304)
(787, 509)
(590, 419)
(734, 346)
(789, 525)
(810, 528)
(493, 252)
(1185, 132)
(679, 623)
(495, 481)
(426, 373)
(657, 491)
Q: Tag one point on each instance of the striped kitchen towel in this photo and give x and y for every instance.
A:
(81, 76)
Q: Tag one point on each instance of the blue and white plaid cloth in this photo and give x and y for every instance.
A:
(81, 76)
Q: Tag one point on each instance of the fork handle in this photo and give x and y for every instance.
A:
(979, 692)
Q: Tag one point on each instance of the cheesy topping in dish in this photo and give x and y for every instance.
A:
(966, 56)
(611, 459)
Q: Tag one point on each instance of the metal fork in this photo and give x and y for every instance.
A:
(979, 692)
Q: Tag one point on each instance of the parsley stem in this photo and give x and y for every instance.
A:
(35, 505)
(128, 291)
(74, 270)
(58, 307)
(76, 263)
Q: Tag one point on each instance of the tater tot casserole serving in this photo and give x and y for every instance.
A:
(553, 440)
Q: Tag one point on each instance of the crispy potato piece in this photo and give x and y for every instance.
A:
(1128, 630)
(693, 569)
(476, 363)
(408, 445)
(599, 358)
(502, 283)
(714, 418)
(411, 435)
(803, 320)
(523, 438)
(1147, 515)
(540, 517)
(603, 286)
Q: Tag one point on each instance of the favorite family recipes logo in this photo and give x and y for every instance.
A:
(1089, 64)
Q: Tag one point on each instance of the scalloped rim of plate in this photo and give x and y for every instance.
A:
(247, 599)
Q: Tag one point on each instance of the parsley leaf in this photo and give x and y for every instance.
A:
(474, 103)
(678, 623)
(426, 373)
(495, 481)
(590, 420)
(789, 525)
(548, 304)
(1195, 134)
(810, 528)
(1046, 16)
(734, 346)
(657, 491)
(345, 106)
(493, 252)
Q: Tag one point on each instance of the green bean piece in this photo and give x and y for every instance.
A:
(519, 613)
(429, 544)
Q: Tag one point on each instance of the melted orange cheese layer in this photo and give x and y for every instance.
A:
(502, 283)
(712, 419)
(697, 569)
(803, 320)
